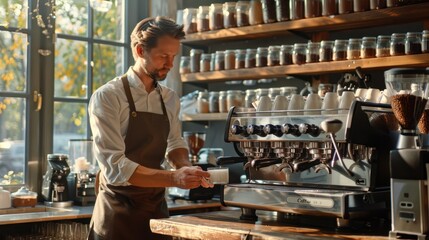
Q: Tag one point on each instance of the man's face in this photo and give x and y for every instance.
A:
(159, 60)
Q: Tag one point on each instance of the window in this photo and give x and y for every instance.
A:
(58, 51)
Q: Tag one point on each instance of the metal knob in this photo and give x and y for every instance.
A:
(239, 130)
(309, 129)
(256, 129)
(276, 130)
(291, 129)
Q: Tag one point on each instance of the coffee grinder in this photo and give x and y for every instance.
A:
(195, 141)
(55, 188)
(409, 91)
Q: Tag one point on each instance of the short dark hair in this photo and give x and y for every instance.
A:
(148, 30)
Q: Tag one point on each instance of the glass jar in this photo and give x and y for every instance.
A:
(195, 59)
(326, 51)
(324, 88)
(240, 58)
(215, 16)
(299, 53)
(329, 7)
(397, 44)
(383, 46)
(185, 62)
(222, 102)
(368, 47)
(255, 12)
(203, 19)
(190, 20)
(23, 197)
(229, 59)
(353, 48)
(250, 58)
(425, 41)
(203, 102)
(360, 5)
(205, 63)
(377, 4)
(269, 11)
(345, 6)
(213, 62)
(220, 61)
(413, 43)
(229, 15)
(286, 54)
(234, 98)
(242, 13)
(296, 8)
(313, 52)
(313, 8)
(214, 102)
(282, 10)
(261, 57)
(340, 50)
(249, 98)
(273, 56)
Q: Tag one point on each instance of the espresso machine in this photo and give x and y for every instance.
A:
(55, 189)
(332, 165)
(195, 141)
(410, 160)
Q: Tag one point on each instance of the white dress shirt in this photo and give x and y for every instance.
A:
(109, 114)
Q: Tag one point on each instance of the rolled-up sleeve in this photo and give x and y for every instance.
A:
(109, 148)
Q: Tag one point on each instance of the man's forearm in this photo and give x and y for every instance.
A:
(178, 158)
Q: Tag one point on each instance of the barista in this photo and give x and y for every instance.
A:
(134, 121)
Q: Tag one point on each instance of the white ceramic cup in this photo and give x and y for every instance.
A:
(218, 175)
(360, 93)
(264, 104)
(372, 95)
(313, 101)
(296, 103)
(384, 97)
(280, 103)
(330, 101)
(346, 101)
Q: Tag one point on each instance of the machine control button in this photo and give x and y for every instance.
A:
(239, 130)
(291, 129)
(309, 129)
(256, 129)
(276, 130)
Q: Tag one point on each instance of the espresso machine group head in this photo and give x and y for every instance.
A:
(55, 188)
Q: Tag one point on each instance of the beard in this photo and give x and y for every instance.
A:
(155, 75)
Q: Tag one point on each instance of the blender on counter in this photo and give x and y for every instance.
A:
(409, 91)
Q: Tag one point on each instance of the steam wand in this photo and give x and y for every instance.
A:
(332, 126)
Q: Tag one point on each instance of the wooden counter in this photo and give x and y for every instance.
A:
(226, 225)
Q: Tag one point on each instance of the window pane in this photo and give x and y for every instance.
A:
(70, 122)
(70, 68)
(12, 143)
(13, 13)
(72, 17)
(13, 61)
(110, 25)
(108, 63)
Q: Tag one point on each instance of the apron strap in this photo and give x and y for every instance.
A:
(133, 111)
(158, 89)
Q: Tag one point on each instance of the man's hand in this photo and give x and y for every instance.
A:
(190, 177)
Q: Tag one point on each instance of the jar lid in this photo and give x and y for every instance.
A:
(341, 41)
(286, 47)
(24, 192)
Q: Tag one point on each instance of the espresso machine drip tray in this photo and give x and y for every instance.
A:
(343, 204)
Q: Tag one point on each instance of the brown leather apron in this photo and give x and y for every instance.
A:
(123, 212)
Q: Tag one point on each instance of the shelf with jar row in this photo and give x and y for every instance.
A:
(203, 117)
(380, 17)
(415, 60)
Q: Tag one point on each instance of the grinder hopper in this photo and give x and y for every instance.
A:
(409, 91)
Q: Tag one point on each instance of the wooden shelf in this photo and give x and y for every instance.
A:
(418, 60)
(204, 117)
(371, 18)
